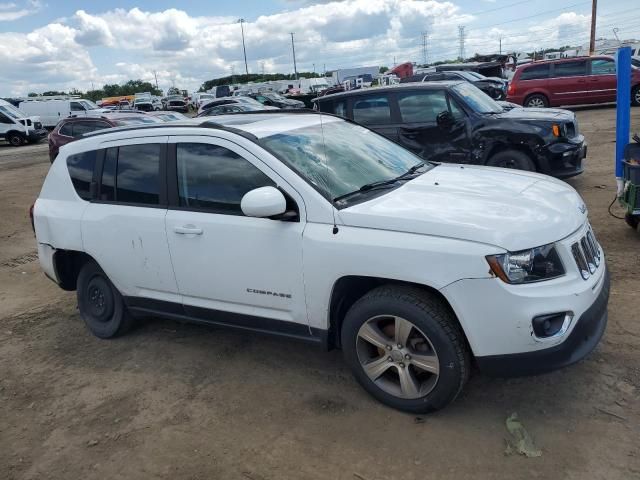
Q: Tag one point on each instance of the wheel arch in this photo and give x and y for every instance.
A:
(519, 147)
(67, 265)
(543, 93)
(349, 289)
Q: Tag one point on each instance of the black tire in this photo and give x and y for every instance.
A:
(101, 305)
(635, 96)
(15, 139)
(512, 159)
(428, 315)
(536, 101)
(632, 220)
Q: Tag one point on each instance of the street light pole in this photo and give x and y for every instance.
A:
(246, 68)
(293, 48)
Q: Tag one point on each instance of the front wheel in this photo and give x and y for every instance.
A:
(101, 305)
(512, 159)
(15, 139)
(406, 349)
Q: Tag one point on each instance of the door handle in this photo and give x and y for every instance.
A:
(188, 230)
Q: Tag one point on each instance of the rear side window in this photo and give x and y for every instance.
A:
(372, 110)
(67, 129)
(570, 69)
(214, 178)
(535, 72)
(340, 108)
(603, 67)
(80, 168)
(138, 174)
(108, 183)
(422, 107)
(80, 128)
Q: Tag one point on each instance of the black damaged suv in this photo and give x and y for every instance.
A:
(456, 122)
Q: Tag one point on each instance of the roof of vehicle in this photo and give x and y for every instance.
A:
(104, 116)
(252, 124)
(388, 88)
(564, 59)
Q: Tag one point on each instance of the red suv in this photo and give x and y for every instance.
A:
(71, 128)
(569, 81)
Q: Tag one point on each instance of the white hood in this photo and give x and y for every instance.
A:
(511, 209)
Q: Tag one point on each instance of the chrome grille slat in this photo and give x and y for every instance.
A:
(586, 253)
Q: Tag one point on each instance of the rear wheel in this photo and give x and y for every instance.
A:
(101, 305)
(512, 159)
(15, 139)
(536, 101)
(406, 349)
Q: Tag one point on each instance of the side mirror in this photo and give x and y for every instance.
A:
(445, 120)
(263, 202)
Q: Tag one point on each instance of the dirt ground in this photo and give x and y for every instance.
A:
(189, 402)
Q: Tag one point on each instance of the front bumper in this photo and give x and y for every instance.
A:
(579, 343)
(37, 135)
(564, 159)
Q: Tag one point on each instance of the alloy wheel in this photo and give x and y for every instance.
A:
(397, 356)
(535, 103)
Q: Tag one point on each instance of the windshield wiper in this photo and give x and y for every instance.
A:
(382, 183)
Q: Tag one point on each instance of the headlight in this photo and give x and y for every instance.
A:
(527, 266)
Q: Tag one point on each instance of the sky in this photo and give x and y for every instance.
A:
(64, 44)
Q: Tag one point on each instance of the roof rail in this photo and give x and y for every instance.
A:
(41, 98)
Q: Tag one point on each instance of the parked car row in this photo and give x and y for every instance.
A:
(495, 87)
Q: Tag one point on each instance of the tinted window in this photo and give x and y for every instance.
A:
(535, 72)
(570, 69)
(67, 129)
(5, 119)
(422, 106)
(434, 77)
(80, 128)
(76, 107)
(215, 178)
(340, 107)
(108, 184)
(80, 168)
(138, 178)
(452, 76)
(603, 67)
(372, 110)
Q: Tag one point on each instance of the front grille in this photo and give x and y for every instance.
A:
(176, 104)
(586, 252)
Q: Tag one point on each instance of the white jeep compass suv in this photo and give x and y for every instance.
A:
(312, 227)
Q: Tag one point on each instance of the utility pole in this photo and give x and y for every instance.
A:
(156, 77)
(293, 48)
(246, 68)
(500, 40)
(314, 68)
(461, 36)
(425, 42)
(592, 41)
(324, 69)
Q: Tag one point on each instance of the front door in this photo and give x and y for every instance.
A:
(602, 80)
(230, 268)
(420, 131)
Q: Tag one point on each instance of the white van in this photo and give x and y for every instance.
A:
(51, 111)
(16, 128)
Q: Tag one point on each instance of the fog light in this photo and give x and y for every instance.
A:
(555, 324)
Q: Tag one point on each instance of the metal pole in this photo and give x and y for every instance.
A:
(246, 68)
(293, 48)
(592, 41)
(500, 38)
(623, 109)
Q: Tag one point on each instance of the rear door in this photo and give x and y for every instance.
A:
(420, 132)
(568, 85)
(375, 110)
(602, 80)
(123, 228)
